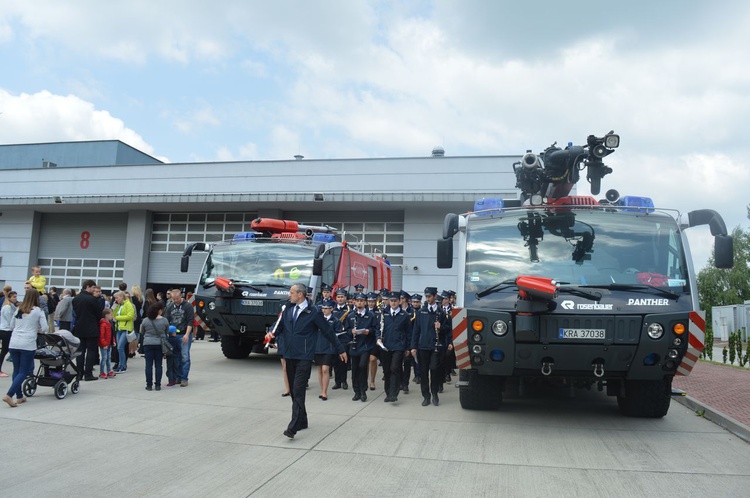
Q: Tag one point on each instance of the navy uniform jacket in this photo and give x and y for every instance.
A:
(325, 347)
(395, 331)
(363, 343)
(341, 315)
(300, 338)
(423, 334)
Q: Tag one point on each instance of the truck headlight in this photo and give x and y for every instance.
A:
(655, 331)
(499, 328)
(476, 349)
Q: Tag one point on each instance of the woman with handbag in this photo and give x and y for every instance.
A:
(154, 330)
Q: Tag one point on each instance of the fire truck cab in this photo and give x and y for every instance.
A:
(245, 280)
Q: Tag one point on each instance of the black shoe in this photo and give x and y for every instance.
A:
(441, 388)
(364, 397)
(90, 378)
(157, 388)
(356, 397)
(453, 372)
(448, 378)
(149, 388)
(336, 386)
(406, 389)
(324, 398)
(387, 399)
(435, 400)
(426, 402)
(345, 386)
(289, 434)
(417, 380)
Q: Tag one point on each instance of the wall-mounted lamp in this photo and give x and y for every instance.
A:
(58, 199)
(318, 197)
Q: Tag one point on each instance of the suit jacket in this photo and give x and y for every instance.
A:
(300, 337)
(88, 312)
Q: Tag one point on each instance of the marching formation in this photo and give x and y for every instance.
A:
(353, 333)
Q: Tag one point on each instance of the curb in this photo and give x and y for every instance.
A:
(724, 421)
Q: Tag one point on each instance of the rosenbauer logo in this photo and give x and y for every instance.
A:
(570, 305)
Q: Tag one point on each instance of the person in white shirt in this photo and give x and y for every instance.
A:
(28, 321)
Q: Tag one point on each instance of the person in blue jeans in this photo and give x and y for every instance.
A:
(180, 314)
(174, 362)
(28, 321)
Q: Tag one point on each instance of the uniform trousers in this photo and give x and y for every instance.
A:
(340, 367)
(298, 374)
(392, 361)
(359, 372)
(430, 365)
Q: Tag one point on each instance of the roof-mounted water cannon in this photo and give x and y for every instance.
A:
(553, 173)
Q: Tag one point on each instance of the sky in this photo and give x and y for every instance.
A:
(194, 81)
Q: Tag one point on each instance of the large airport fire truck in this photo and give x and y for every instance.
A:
(246, 280)
(569, 290)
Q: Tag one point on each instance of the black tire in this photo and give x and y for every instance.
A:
(75, 386)
(233, 348)
(481, 393)
(645, 398)
(61, 389)
(28, 388)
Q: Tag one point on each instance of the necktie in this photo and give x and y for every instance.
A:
(296, 312)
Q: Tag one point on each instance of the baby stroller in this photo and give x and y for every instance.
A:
(55, 360)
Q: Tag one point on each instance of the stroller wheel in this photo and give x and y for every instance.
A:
(29, 386)
(74, 386)
(61, 389)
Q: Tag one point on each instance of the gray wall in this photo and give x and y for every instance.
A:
(16, 228)
(67, 154)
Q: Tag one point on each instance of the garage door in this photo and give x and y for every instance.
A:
(76, 247)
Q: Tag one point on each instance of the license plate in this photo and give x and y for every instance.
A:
(251, 302)
(592, 334)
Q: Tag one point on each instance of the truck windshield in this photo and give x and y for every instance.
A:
(584, 247)
(259, 263)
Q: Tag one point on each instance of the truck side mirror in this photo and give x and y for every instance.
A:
(317, 268)
(445, 253)
(450, 226)
(184, 262)
(723, 251)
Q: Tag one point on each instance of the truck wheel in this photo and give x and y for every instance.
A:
(481, 393)
(233, 348)
(645, 398)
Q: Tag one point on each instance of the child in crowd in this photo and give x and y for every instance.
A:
(37, 280)
(105, 344)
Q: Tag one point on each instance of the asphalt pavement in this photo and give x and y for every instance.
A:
(222, 436)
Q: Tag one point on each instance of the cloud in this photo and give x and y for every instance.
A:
(45, 117)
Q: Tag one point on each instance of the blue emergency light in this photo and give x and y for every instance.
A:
(245, 236)
(639, 204)
(324, 237)
(488, 206)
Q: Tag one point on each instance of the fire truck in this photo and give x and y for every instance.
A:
(575, 291)
(246, 280)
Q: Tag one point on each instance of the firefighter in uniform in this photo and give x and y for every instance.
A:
(410, 362)
(394, 337)
(429, 341)
(363, 326)
(372, 305)
(325, 293)
(449, 355)
(341, 311)
(325, 353)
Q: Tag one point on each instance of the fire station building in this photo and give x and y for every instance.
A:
(106, 211)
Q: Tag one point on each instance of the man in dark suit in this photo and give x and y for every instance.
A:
(88, 311)
(300, 324)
